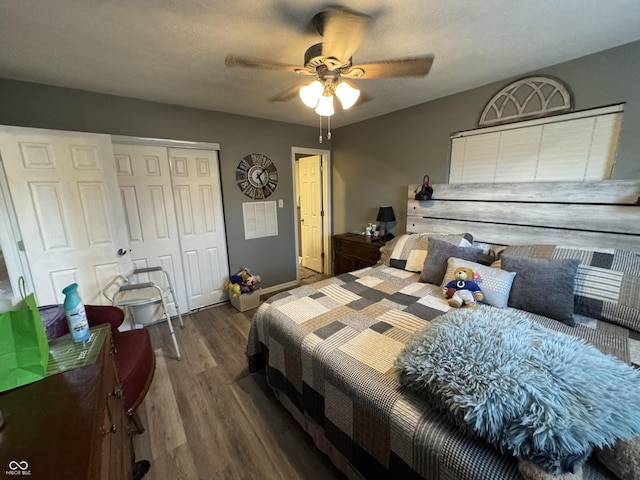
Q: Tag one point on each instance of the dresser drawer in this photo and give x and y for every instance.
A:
(353, 251)
(117, 455)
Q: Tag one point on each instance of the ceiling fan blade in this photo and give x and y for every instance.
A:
(342, 33)
(405, 67)
(286, 95)
(240, 61)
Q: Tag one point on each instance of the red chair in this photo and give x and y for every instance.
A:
(134, 357)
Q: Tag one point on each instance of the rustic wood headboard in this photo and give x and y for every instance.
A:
(583, 214)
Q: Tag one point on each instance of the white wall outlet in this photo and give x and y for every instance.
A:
(280, 203)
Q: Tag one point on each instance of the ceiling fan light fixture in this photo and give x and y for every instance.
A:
(347, 94)
(311, 93)
(325, 106)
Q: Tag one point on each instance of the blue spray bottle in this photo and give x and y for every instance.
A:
(76, 315)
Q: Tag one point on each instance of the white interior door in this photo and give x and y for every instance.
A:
(144, 177)
(198, 199)
(65, 193)
(311, 212)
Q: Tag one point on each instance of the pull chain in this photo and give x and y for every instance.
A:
(328, 129)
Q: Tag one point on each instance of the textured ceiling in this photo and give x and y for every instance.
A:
(173, 51)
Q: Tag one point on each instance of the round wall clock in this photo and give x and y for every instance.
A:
(257, 176)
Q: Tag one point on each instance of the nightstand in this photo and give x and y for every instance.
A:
(353, 251)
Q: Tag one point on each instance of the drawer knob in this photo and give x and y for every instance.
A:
(112, 429)
(117, 392)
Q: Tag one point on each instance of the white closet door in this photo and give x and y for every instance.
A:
(144, 177)
(198, 199)
(65, 193)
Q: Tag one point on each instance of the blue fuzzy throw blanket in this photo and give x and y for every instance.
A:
(542, 395)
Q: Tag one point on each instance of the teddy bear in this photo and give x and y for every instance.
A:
(463, 289)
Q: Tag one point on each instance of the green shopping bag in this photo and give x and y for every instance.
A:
(24, 351)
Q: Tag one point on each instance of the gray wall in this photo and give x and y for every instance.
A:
(31, 105)
(375, 160)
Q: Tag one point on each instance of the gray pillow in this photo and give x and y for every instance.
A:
(435, 265)
(543, 286)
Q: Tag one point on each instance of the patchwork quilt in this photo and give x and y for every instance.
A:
(328, 350)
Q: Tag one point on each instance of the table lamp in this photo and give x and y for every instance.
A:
(386, 215)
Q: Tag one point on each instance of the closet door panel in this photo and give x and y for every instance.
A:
(196, 184)
(65, 194)
(144, 178)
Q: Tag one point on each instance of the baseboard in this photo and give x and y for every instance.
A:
(282, 286)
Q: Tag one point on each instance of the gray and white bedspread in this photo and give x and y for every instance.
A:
(329, 350)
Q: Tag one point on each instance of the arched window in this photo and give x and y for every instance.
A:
(530, 97)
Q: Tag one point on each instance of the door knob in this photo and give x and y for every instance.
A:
(122, 251)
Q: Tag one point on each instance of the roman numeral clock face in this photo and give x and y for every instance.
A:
(257, 176)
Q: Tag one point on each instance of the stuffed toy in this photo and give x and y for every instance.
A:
(241, 276)
(243, 282)
(464, 289)
(234, 289)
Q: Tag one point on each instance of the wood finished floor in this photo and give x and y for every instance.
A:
(206, 417)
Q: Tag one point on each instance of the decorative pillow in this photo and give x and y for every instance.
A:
(622, 458)
(606, 284)
(494, 283)
(435, 265)
(531, 471)
(526, 251)
(543, 286)
(408, 251)
(488, 253)
(544, 396)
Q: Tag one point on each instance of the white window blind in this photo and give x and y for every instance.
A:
(575, 146)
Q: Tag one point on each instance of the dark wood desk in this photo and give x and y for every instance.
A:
(353, 251)
(72, 425)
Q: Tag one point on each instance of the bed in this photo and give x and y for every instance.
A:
(331, 350)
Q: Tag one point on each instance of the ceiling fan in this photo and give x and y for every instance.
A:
(330, 63)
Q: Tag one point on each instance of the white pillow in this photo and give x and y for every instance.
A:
(408, 251)
(495, 283)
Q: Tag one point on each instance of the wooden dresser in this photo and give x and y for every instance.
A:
(353, 251)
(71, 425)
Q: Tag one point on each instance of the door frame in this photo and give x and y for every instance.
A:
(326, 205)
(164, 142)
(15, 257)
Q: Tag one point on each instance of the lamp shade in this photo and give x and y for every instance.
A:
(385, 214)
(325, 106)
(311, 93)
(347, 94)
